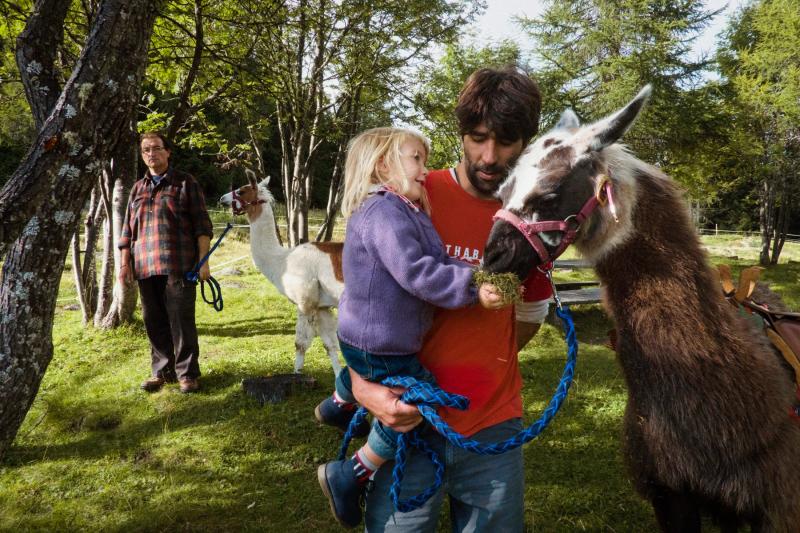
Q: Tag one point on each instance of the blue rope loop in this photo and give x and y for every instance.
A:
(194, 276)
(404, 442)
(428, 397)
(361, 414)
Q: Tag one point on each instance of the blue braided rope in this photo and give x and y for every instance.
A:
(359, 417)
(193, 275)
(404, 441)
(428, 397)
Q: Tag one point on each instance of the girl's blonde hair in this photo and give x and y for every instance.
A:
(364, 153)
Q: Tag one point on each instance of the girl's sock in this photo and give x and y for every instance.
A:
(363, 468)
(342, 403)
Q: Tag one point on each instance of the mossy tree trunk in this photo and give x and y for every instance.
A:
(41, 203)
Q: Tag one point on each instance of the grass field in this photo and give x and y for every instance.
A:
(95, 453)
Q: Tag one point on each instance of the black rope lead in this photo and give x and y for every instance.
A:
(216, 293)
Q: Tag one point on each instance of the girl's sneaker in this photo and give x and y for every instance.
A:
(343, 490)
(328, 412)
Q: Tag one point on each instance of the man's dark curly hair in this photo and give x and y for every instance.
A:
(506, 101)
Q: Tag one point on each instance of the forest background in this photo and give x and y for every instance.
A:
(281, 86)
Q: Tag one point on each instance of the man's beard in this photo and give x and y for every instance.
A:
(488, 188)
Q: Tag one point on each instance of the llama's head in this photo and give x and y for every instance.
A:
(251, 199)
(573, 184)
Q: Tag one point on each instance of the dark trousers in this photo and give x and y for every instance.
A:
(168, 313)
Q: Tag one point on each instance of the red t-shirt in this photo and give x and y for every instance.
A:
(472, 351)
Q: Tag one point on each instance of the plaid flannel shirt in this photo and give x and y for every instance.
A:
(162, 224)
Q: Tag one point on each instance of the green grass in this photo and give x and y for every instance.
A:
(96, 453)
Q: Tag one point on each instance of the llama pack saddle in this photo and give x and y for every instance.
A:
(782, 327)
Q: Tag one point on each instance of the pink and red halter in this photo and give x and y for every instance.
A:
(569, 226)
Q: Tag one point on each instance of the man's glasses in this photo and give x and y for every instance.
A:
(153, 149)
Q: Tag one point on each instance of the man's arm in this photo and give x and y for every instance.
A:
(202, 228)
(125, 266)
(525, 332)
(530, 316)
(126, 273)
(384, 403)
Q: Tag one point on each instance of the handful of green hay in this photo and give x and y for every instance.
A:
(507, 284)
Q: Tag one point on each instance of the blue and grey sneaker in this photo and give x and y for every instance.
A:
(343, 490)
(331, 414)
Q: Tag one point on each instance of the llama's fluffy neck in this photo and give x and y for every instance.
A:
(682, 349)
(658, 283)
(268, 254)
(661, 246)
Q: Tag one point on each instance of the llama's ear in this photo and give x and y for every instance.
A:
(251, 177)
(568, 120)
(610, 129)
(265, 182)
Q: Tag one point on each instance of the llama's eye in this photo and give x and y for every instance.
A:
(548, 200)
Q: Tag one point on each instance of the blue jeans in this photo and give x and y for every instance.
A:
(486, 491)
(376, 368)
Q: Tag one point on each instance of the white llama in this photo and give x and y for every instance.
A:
(309, 275)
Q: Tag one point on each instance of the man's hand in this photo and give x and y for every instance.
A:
(384, 403)
(125, 267)
(525, 332)
(205, 272)
(203, 245)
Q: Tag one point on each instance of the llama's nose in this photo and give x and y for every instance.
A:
(508, 251)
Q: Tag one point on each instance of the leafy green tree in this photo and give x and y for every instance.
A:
(107, 201)
(196, 52)
(16, 122)
(594, 54)
(760, 60)
(436, 99)
(328, 64)
(78, 126)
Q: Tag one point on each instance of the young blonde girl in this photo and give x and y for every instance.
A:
(396, 271)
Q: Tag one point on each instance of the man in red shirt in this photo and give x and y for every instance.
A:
(470, 351)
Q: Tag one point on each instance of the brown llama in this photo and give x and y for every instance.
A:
(707, 427)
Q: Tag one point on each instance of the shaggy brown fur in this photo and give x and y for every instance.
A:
(706, 425)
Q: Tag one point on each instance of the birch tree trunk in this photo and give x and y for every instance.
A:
(183, 111)
(124, 170)
(350, 108)
(83, 261)
(105, 187)
(764, 216)
(43, 199)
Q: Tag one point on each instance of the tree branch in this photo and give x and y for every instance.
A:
(37, 47)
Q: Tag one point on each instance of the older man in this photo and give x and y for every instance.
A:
(166, 231)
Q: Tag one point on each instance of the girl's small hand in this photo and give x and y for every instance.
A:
(490, 297)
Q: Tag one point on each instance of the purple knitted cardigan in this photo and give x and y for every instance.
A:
(395, 272)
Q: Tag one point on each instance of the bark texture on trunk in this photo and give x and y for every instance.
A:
(40, 205)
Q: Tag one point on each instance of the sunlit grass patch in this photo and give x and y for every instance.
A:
(97, 453)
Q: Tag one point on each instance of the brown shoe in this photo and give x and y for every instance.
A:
(153, 384)
(190, 385)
